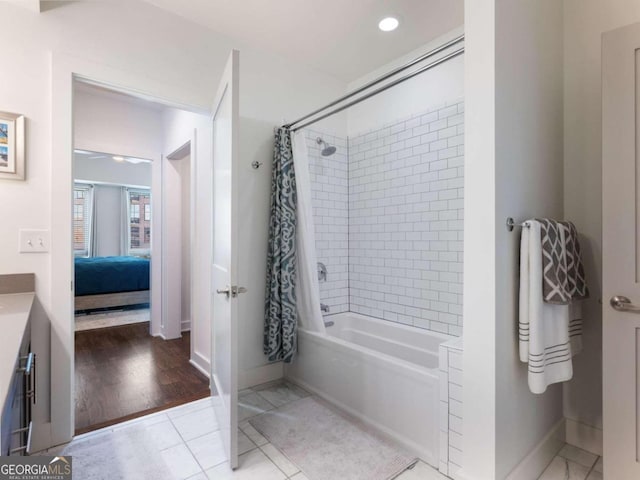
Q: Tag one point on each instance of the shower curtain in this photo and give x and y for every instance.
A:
(280, 323)
(308, 293)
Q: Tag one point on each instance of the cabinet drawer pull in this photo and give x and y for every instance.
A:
(29, 365)
(29, 370)
(31, 393)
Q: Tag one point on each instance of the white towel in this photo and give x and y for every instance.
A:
(545, 344)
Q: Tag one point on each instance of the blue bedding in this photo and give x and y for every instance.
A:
(98, 275)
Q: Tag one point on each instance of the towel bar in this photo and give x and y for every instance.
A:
(511, 223)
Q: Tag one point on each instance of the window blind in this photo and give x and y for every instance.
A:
(82, 212)
(139, 221)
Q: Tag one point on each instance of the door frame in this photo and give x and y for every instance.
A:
(64, 70)
(178, 155)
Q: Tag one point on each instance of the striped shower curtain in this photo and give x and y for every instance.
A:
(280, 322)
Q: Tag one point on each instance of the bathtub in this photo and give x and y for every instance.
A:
(383, 373)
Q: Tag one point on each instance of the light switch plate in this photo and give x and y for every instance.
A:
(34, 241)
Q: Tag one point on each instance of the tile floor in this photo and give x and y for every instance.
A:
(573, 463)
(189, 440)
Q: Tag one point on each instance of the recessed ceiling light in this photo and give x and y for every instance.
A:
(137, 160)
(388, 24)
(118, 158)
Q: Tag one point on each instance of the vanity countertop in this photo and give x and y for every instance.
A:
(14, 315)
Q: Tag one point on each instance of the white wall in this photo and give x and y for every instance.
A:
(442, 84)
(106, 123)
(109, 171)
(514, 74)
(188, 62)
(585, 21)
(479, 282)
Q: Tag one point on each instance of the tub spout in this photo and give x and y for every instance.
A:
(324, 308)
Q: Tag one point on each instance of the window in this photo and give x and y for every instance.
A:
(139, 227)
(82, 196)
(135, 213)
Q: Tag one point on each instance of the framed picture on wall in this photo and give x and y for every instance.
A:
(12, 142)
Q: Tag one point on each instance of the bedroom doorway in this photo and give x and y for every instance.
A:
(132, 236)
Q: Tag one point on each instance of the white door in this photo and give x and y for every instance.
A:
(224, 268)
(621, 251)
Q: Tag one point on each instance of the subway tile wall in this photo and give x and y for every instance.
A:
(451, 397)
(405, 220)
(388, 214)
(330, 200)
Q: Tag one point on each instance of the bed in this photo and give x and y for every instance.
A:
(103, 282)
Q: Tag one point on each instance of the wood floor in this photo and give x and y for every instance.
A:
(122, 373)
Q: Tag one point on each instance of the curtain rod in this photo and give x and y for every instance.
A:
(429, 66)
(382, 78)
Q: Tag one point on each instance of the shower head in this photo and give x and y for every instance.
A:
(327, 150)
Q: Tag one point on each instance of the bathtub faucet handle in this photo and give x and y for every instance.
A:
(324, 308)
(322, 272)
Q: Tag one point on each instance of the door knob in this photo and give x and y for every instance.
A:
(232, 291)
(235, 290)
(224, 291)
(623, 304)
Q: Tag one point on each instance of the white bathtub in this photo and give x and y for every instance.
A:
(383, 373)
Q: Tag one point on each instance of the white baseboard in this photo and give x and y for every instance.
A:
(262, 374)
(201, 363)
(584, 436)
(185, 325)
(537, 460)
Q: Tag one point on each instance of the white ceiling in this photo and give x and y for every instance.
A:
(339, 37)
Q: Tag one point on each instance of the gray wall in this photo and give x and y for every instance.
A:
(529, 174)
(585, 21)
(513, 168)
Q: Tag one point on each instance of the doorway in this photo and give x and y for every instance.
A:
(132, 238)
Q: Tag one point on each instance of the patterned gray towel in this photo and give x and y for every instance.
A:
(563, 278)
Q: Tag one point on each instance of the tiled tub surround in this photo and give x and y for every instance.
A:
(330, 200)
(388, 216)
(450, 371)
(405, 220)
(383, 373)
